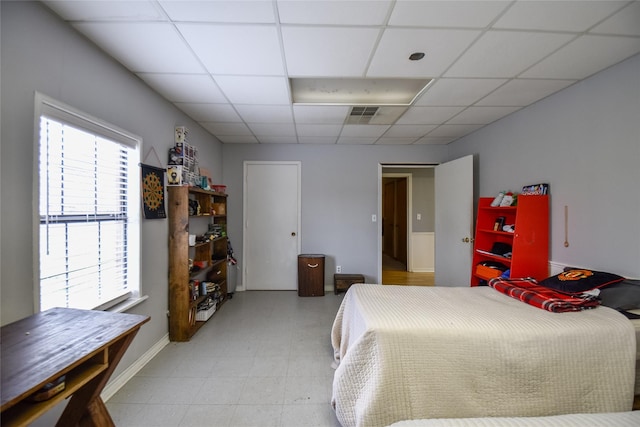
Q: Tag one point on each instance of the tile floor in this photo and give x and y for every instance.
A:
(263, 360)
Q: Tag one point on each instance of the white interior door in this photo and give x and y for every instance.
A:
(271, 225)
(454, 222)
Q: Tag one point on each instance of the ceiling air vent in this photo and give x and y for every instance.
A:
(361, 115)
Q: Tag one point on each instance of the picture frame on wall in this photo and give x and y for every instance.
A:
(174, 175)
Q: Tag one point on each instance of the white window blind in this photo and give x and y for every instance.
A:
(88, 212)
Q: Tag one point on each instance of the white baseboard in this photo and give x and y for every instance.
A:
(423, 270)
(555, 268)
(117, 383)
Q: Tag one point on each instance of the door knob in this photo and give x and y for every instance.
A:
(466, 240)
(293, 233)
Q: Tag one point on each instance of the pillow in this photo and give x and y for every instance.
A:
(576, 281)
(624, 295)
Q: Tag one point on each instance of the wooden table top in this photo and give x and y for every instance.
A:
(38, 349)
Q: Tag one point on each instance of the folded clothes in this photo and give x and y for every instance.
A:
(528, 290)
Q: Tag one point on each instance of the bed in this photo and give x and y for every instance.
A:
(617, 419)
(405, 352)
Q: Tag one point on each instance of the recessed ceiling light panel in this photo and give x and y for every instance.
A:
(355, 91)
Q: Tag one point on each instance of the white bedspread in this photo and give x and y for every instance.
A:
(618, 419)
(408, 352)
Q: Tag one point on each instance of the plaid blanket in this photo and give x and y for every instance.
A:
(528, 290)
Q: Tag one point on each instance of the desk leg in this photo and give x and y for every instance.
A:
(97, 415)
(86, 408)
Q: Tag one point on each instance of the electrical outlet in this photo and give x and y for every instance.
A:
(338, 269)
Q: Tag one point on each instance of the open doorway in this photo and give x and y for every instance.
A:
(407, 212)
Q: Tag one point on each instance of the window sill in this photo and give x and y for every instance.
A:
(127, 304)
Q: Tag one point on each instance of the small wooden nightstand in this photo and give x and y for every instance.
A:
(341, 282)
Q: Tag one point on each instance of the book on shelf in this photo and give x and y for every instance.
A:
(535, 190)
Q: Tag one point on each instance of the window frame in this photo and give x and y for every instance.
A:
(56, 110)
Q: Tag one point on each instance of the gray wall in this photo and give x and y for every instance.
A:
(339, 195)
(42, 53)
(585, 142)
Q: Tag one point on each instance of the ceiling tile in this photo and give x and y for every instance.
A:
(135, 10)
(349, 140)
(270, 129)
(230, 129)
(255, 11)
(235, 139)
(557, 15)
(363, 131)
(333, 12)
(456, 131)
(317, 139)
(387, 115)
(624, 22)
(408, 131)
(320, 114)
(189, 88)
(255, 90)
(457, 91)
(267, 139)
(481, 115)
(506, 53)
(327, 51)
(435, 140)
(428, 115)
(471, 14)
(440, 46)
(315, 130)
(395, 141)
(147, 47)
(265, 113)
(236, 49)
(210, 112)
(577, 61)
(521, 92)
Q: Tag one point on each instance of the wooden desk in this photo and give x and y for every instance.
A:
(84, 345)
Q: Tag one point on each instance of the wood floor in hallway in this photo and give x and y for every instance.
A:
(395, 277)
(395, 273)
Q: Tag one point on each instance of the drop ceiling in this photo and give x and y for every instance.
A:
(227, 64)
